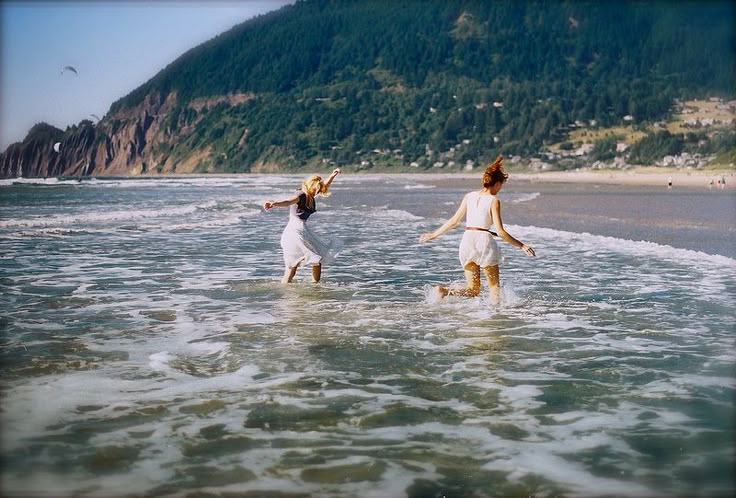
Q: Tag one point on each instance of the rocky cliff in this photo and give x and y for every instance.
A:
(133, 141)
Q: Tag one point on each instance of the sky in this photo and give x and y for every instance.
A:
(115, 46)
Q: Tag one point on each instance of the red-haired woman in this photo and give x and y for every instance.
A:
(298, 242)
(478, 249)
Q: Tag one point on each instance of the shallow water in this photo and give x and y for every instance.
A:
(149, 349)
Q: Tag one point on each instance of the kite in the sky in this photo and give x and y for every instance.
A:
(69, 68)
(95, 116)
(57, 146)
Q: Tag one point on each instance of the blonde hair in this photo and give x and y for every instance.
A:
(495, 173)
(314, 185)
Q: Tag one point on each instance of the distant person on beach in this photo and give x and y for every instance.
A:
(298, 243)
(669, 182)
(478, 249)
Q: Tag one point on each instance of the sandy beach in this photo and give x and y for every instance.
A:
(642, 176)
(639, 176)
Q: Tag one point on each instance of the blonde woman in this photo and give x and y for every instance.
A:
(478, 249)
(298, 242)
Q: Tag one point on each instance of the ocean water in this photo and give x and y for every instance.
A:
(148, 349)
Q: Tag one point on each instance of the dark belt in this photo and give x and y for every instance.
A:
(482, 230)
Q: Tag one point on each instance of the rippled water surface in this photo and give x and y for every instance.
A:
(148, 349)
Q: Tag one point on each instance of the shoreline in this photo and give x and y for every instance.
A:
(645, 176)
(636, 177)
(633, 205)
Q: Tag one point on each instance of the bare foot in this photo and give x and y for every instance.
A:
(443, 291)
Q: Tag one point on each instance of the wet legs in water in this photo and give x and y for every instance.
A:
(493, 283)
(290, 272)
(472, 278)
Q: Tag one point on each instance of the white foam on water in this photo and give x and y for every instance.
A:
(666, 419)
(102, 217)
(510, 298)
(598, 243)
(395, 480)
(528, 376)
(481, 307)
(724, 357)
(212, 327)
(577, 431)
(518, 198)
(696, 382)
(522, 397)
(50, 232)
(212, 223)
(219, 181)
(5, 182)
(431, 295)
(561, 321)
(34, 409)
(628, 343)
(160, 362)
(386, 213)
(649, 290)
(419, 187)
(571, 474)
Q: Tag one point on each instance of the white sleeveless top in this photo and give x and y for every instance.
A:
(479, 210)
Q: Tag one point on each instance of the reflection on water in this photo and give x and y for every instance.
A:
(156, 353)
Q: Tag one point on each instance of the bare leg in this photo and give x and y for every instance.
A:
(289, 274)
(472, 277)
(494, 283)
(316, 272)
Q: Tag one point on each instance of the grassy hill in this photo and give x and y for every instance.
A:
(424, 85)
(707, 126)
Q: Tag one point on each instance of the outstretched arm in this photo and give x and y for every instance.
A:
(286, 202)
(496, 214)
(449, 224)
(334, 173)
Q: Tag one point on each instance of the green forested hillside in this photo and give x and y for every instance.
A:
(413, 81)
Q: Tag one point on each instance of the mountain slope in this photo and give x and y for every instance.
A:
(393, 83)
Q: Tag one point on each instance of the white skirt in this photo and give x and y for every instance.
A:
(480, 248)
(301, 245)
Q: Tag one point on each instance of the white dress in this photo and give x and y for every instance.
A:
(299, 243)
(478, 246)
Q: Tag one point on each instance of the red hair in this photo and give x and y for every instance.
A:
(495, 173)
